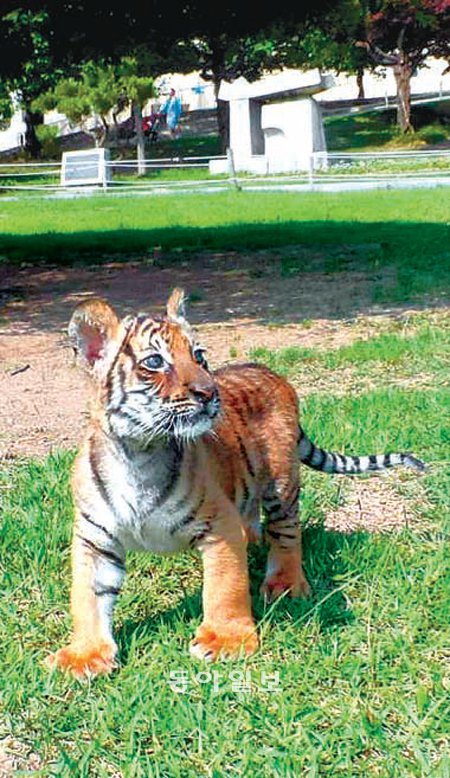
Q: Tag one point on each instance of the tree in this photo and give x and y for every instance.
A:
(137, 90)
(327, 41)
(227, 57)
(6, 106)
(100, 90)
(401, 34)
(28, 71)
(223, 41)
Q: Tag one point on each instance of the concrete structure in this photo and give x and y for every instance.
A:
(275, 123)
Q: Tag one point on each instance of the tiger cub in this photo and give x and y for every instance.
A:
(178, 457)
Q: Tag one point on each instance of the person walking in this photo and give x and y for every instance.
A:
(172, 111)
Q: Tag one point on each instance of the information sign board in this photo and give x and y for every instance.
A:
(89, 166)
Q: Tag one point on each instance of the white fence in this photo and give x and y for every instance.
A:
(45, 177)
(336, 171)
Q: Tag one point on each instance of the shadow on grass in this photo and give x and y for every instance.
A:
(361, 131)
(336, 269)
(96, 246)
(325, 570)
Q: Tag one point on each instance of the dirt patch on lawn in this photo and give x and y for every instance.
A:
(16, 758)
(371, 505)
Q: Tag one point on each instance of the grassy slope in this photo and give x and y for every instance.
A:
(363, 673)
(377, 131)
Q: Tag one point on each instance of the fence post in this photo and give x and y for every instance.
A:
(231, 169)
(105, 172)
(311, 170)
(140, 140)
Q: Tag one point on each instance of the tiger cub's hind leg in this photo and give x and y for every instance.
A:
(283, 534)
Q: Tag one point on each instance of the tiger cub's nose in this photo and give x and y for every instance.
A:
(203, 392)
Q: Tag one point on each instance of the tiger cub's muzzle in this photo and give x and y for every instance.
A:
(207, 396)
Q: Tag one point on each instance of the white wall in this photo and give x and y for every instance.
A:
(13, 137)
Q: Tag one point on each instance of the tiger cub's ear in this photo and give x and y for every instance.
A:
(92, 326)
(176, 306)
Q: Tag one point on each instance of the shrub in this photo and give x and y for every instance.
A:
(48, 136)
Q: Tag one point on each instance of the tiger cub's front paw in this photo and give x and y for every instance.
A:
(225, 641)
(84, 660)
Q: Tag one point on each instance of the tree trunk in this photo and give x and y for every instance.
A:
(402, 73)
(99, 135)
(140, 139)
(223, 118)
(217, 65)
(360, 83)
(32, 145)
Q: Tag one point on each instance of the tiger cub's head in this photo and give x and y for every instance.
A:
(152, 374)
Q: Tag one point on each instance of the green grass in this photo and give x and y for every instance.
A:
(377, 131)
(404, 232)
(154, 175)
(184, 146)
(363, 665)
(425, 354)
(165, 175)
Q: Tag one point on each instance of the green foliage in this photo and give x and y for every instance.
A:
(6, 106)
(48, 138)
(415, 28)
(327, 40)
(36, 73)
(31, 70)
(136, 88)
(100, 89)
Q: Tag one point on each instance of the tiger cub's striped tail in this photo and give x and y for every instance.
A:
(330, 462)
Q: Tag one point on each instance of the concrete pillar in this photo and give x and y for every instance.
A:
(240, 134)
(292, 130)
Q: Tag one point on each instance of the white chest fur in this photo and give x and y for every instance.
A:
(149, 501)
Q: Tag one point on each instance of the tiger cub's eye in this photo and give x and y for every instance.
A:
(153, 362)
(199, 356)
